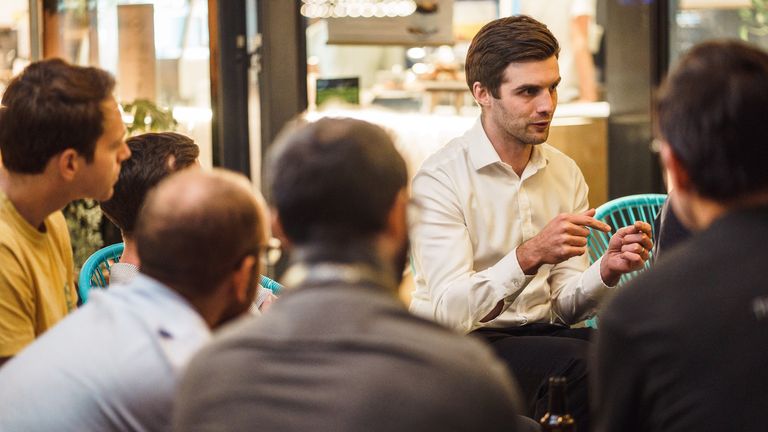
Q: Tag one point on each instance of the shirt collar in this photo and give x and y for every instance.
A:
(172, 315)
(482, 153)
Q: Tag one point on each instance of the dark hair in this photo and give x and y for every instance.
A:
(503, 41)
(150, 154)
(50, 107)
(196, 227)
(712, 112)
(335, 180)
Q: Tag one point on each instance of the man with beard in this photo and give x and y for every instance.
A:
(500, 247)
(113, 364)
(339, 352)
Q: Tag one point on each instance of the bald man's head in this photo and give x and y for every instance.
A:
(196, 227)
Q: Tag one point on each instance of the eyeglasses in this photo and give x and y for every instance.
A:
(270, 253)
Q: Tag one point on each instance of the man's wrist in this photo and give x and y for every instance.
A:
(609, 277)
(529, 264)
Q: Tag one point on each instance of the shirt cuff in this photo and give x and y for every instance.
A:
(593, 280)
(509, 273)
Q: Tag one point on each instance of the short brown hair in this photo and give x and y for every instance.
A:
(711, 111)
(50, 107)
(503, 41)
(335, 179)
(147, 165)
(196, 227)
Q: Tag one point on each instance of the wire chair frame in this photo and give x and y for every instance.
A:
(619, 213)
(95, 272)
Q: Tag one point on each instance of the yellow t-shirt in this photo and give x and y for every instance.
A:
(37, 287)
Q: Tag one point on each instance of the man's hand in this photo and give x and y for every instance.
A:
(564, 237)
(627, 251)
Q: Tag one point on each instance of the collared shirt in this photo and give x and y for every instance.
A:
(111, 365)
(122, 273)
(475, 212)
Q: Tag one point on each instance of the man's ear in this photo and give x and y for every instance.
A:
(241, 279)
(68, 163)
(678, 178)
(397, 225)
(481, 94)
(277, 229)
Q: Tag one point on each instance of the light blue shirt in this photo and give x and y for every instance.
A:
(110, 366)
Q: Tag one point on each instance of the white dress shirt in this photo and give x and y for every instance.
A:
(110, 366)
(474, 213)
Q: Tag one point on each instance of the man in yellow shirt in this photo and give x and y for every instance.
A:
(61, 139)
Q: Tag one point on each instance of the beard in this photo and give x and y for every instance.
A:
(236, 309)
(400, 260)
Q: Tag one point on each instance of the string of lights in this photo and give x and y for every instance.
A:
(357, 8)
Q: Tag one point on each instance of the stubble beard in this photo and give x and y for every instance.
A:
(523, 137)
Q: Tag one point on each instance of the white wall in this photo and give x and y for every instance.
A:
(11, 10)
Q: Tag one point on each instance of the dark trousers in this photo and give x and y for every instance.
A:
(535, 352)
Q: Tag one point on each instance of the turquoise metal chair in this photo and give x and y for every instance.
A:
(95, 272)
(619, 213)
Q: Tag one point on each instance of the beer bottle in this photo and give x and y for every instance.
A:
(557, 418)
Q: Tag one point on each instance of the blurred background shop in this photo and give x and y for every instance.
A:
(231, 73)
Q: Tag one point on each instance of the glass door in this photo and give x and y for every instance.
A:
(694, 21)
(16, 46)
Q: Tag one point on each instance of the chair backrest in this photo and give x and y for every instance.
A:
(619, 213)
(95, 272)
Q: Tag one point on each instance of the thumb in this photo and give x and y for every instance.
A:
(590, 212)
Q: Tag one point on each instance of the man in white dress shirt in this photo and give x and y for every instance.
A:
(113, 364)
(499, 247)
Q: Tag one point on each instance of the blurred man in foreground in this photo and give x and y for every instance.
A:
(339, 352)
(113, 364)
(682, 348)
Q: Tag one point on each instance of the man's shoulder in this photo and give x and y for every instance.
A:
(556, 157)
(454, 151)
(670, 290)
(376, 326)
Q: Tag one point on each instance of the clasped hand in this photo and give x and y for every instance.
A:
(627, 251)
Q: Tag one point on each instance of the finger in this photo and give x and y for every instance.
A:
(576, 230)
(640, 239)
(644, 227)
(636, 249)
(589, 221)
(627, 230)
(575, 240)
(589, 213)
(572, 251)
(634, 260)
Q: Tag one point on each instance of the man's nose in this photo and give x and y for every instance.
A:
(126, 152)
(546, 102)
